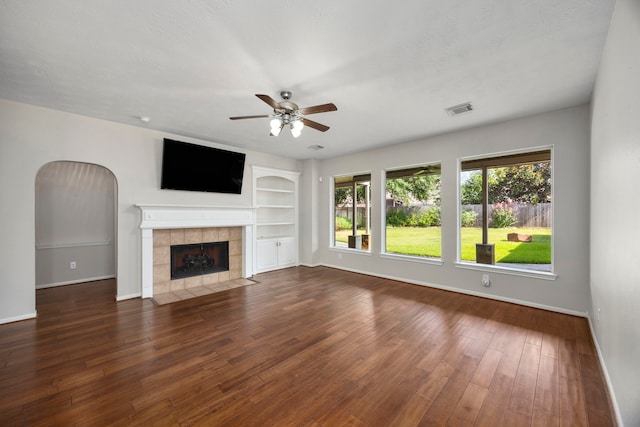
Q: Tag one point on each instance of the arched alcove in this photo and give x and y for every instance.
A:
(75, 223)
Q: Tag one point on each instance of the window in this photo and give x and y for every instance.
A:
(413, 212)
(352, 212)
(505, 211)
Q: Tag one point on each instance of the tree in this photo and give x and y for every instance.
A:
(422, 188)
(471, 189)
(523, 184)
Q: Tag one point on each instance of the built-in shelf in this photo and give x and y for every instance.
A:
(275, 197)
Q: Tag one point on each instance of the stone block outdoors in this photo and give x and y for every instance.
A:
(517, 237)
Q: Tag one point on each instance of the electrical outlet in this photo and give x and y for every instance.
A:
(72, 265)
(486, 282)
(598, 314)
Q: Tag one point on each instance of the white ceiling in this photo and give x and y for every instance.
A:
(390, 67)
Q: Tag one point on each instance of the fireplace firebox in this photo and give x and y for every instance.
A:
(198, 259)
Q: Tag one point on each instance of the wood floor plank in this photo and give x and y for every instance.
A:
(304, 346)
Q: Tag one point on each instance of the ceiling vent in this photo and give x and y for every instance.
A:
(316, 147)
(459, 109)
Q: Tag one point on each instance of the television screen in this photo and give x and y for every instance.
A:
(194, 167)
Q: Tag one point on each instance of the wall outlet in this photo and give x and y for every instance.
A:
(598, 314)
(486, 282)
(72, 265)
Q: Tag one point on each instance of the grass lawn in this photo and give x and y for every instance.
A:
(426, 242)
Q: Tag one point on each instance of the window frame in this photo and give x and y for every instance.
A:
(332, 215)
(469, 265)
(383, 211)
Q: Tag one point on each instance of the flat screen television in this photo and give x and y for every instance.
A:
(194, 167)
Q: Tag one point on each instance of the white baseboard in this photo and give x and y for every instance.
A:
(74, 282)
(605, 372)
(18, 318)
(129, 296)
(304, 264)
(465, 291)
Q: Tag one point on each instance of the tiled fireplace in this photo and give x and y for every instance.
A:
(163, 226)
(164, 239)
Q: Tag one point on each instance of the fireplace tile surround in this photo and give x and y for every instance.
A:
(164, 238)
(163, 225)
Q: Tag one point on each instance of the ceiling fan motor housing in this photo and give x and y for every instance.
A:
(286, 95)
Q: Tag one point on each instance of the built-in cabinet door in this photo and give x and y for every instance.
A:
(286, 252)
(266, 255)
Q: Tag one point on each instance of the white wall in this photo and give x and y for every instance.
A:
(567, 130)
(309, 212)
(32, 136)
(615, 208)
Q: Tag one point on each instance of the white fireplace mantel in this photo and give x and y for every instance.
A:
(177, 216)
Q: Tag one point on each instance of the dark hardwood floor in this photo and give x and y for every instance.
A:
(305, 346)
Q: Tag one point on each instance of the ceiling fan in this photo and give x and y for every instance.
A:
(288, 113)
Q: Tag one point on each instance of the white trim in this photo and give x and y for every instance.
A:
(464, 291)
(32, 315)
(74, 282)
(72, 245)
(350, 251)
(188, 216)
(412, 258)
(506, 270)
(605, 372)
(128, 296)
(310, 265)
(272, 171)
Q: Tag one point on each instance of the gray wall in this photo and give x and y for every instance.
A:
(31, 137)
(567, 130)
(615, 178)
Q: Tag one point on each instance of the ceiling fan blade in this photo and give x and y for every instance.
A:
(249, 117)
(319, 109)
(269, 100)
(315, 125)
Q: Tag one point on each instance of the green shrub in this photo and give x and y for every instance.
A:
(503, 215)
(431, 217)
(468, 218)
(343, 223)
(412, 220)
(397, 218)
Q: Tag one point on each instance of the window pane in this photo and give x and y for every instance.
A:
(518, 211)
(352, 215)
(413, 211)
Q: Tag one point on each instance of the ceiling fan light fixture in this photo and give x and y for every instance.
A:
(297, 125)
(286, 113)
(276, 126)
(275, 123)
(296, 132)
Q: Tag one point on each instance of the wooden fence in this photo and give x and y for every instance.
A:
(528, 215)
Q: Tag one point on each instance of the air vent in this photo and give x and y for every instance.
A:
(316, 147)
(459, 109)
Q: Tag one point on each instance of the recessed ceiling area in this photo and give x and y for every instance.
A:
(390, 69)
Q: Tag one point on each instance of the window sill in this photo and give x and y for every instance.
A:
(505, 270)
(350, 251)
(411, 258)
